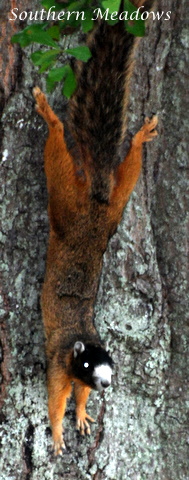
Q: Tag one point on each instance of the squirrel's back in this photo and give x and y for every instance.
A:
(97, 109)
(99, 105)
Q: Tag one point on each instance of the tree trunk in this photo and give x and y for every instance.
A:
(142, 307)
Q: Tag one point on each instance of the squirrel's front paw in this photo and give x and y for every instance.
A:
(82, 424)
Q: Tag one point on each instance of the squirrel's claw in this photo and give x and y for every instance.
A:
(147, 132)
(59, 446)
(82, 425)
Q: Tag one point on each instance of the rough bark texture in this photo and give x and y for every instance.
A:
(142, 429)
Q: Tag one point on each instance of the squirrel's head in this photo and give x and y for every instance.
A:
(92, 364)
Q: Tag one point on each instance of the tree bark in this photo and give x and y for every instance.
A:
(142, 306)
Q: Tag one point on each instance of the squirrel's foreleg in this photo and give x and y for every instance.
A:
(81, 395)
(59, 390)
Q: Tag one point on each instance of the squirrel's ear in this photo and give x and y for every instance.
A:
(79, 347)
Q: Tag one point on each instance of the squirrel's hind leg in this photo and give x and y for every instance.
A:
(65, 186)
(128, 171)
(43, 108)
(147, 132)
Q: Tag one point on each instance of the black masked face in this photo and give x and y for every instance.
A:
(92, 364)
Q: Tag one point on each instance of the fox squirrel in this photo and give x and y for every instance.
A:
(88, 189)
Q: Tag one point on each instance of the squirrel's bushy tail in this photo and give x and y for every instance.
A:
(98, 107)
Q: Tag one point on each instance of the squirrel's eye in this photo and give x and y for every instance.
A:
(86, 365)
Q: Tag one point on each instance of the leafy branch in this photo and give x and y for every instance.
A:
(72, 15)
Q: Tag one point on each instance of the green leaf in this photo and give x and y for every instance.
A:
(63, 73)
(87, 23)
(70, 82)
(56, 74)
(21, 38)
(45, 59)
(113, 5)
(36, 57)
(81, 53)
(76, 6)
(71, 22)
(51, 3)
(24, 38)
(136, 27)
(34, 33)
(39, 57)
(54, 32)
(38, 35)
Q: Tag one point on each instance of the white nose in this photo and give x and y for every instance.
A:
(102, 376)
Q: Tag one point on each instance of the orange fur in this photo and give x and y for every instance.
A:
(128, 171)
(81, 395)
(80, 228)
